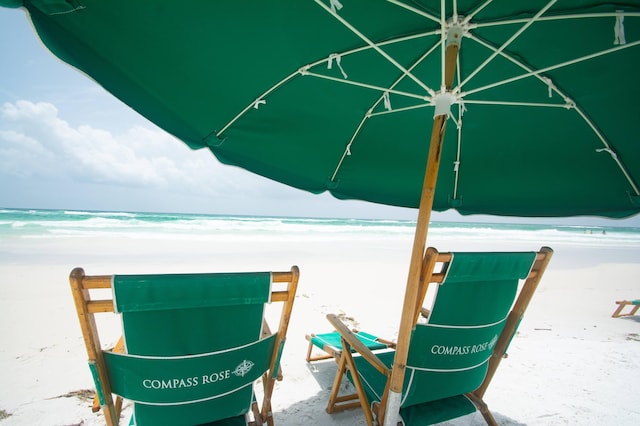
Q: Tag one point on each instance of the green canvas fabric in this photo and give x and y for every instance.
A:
(134, 293)
(448, 356)
(232, 320)
(544, 133)
(191, 378)
(437, 411)
(333, 339)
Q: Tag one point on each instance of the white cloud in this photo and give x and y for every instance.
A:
(36, 142)
(46, 162)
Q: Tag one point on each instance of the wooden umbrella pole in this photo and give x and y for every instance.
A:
(392, 403)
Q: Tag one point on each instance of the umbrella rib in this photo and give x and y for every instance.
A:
(403, 109)
(382, 43)
(517, 34)
(536, 73)
(254, 103)
(347, 150)
(456, 164)
(611, 152)
(469, 17)
(411, 68)
(518, 63)
(305, 69)
(512, 103)
(443, 43)
(557, 18)
(376, 47)
(370, 113)
(415, 10)
(365, 85)
(569, 103)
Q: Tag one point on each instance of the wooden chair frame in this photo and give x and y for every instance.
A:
(84, 286)
(429, 275)
(624, 303)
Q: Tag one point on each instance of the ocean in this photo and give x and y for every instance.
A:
(47, 224)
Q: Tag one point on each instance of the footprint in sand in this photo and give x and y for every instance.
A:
(633, 336)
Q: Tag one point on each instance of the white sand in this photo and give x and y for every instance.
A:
(571, 363)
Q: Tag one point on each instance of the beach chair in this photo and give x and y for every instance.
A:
(330, 344)
(194, 344)
(454, 352)
(635, 305)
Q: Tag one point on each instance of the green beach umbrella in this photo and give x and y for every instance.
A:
(539, 98)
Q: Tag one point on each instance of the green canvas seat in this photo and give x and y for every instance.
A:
(477, 305)
(194, 344)
(331, 346)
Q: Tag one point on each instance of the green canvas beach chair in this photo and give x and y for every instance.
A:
(454, 353)
(634, 304)
(194, 344)
(330, 344)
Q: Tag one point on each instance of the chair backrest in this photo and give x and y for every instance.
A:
(195, 343)
(449, 354)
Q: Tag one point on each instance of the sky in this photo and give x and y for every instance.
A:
(66, 143)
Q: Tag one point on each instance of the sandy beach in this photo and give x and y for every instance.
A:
(571, 363)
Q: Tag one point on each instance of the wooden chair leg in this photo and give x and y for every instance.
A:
(338, 402)
(483, 408)
(334, 398)
(621, 305)
(357, 383)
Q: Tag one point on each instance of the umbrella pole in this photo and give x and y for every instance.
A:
(392, 405)
(394, 394)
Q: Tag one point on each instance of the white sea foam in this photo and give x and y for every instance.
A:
(58, 224)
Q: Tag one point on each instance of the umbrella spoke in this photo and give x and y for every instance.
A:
(517, 34)
(530, 71)
(370, 113)
(471, 15)
(415, 10)
(254, 104)
(376, 47)
(347, 150)
(536, 73)
(557, 18)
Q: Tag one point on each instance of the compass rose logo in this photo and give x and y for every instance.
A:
(243, 368)
(493, 341)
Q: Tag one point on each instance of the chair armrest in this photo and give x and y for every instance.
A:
(357, 345)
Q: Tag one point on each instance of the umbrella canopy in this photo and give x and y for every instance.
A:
(340, 96)
(353, 96)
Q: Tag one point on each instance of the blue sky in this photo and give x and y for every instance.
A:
(65, 143)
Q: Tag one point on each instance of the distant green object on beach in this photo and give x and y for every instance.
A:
(340, 96)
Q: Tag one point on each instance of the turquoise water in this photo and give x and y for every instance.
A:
(67, 223)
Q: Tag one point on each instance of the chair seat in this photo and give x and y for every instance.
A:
(437, 411)
(333, 339)
(331, 344)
